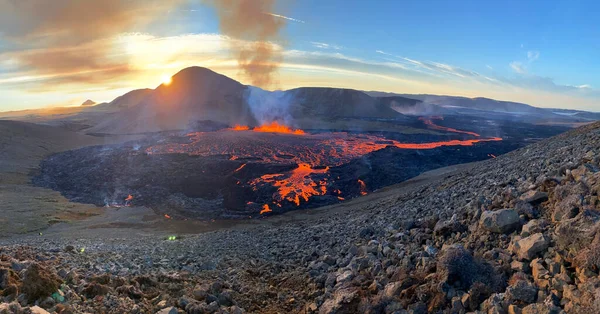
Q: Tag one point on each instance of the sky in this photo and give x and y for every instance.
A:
(543, 53)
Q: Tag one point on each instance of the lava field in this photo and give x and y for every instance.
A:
(243, 172)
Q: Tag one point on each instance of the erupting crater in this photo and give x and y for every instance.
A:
(240, 171)
(312, 153)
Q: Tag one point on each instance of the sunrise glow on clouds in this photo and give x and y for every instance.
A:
(45, 62)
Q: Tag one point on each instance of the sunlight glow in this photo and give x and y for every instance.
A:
(166, 79)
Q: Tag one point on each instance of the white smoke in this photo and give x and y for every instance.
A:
(269, 106)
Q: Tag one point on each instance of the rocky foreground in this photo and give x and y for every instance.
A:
(516, 234)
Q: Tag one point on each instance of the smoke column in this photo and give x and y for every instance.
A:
(254, 27)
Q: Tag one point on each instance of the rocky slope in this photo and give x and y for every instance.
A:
(515, 234)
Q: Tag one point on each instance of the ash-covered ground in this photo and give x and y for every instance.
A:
(215, 172)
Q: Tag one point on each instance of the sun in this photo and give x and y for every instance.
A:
(166, 79)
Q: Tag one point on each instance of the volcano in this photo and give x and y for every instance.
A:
(210, 147)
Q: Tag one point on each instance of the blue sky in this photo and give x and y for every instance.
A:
(545, 53)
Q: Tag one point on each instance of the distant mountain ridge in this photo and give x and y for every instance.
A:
(200, 94)
(486, 104)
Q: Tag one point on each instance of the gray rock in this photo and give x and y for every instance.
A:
(343, 301)
(38, 310)
(521, 291)
(533, 226)
(392, 289)
(529, 247)
(534, 197)
(500, 221)
(168, 310)
(540, 308)
(201, 292)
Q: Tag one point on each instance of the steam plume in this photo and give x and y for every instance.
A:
(252, 23)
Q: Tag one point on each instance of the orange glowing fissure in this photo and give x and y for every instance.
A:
(265, 209)
(273, 127)
(362, 186)
(295, 186)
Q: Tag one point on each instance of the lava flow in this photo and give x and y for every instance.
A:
(362, 186)
(312, 153)
(272, 127)
(296, 185)
(265, 209)
(238, 127)
(429, 123)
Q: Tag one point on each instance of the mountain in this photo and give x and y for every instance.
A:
(127, 100)
(88, 103)
(194, 94)
(478, 103)
(409, 106)
(199, 94)
(337, 102)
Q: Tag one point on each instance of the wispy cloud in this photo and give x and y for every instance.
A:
(518, 67)
(285, 17)
(532, 55)
(321, 45)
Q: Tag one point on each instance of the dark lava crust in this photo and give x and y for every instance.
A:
(209, 187)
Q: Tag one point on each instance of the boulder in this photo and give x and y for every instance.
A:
(343, 301)
(500, 221)
(529, 247)
(522, 292)
(540, 308)
(39, 282)
(533, 226)
(457, 267)
(38, 310)
(534, 197)
(168, 310)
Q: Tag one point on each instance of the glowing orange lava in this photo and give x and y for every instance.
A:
(240, 168)
(296, 185)
(280, 144)
(167, 216)
(265, 209)
(129, 198)
(492, 155)
(273, 127)
(363, 187)
(429, 123)
(238, 127)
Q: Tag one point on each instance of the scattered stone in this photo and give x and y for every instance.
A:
(500, 221)
(169, 310)
(534, 197)
(38, 310)
(522, 292)
(39, 282)
(529, 247)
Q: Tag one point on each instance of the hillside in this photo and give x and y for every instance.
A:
(512, 234)
(26, 208)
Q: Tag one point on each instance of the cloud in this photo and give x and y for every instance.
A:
(71, 36)
(518, 67)
(321, 45)
(532, 55)
(489, 67)
(285, 17)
